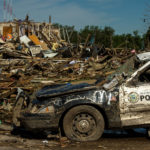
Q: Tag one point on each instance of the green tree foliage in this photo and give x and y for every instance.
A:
(67, 32)
(137, 40)
(128, 41)
(146, 38)
(103, 36)
(119, 41)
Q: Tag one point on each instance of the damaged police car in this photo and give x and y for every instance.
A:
(83, 111)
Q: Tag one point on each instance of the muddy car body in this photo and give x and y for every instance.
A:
(83, 111)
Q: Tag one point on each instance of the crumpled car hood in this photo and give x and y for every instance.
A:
(50, 91)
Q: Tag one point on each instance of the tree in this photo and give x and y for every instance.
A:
(68, 33)
(103, 37)
(146, 38)
(138, 40)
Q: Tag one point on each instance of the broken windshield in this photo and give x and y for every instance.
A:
(127, 68)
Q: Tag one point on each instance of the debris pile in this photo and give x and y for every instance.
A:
(31, 74)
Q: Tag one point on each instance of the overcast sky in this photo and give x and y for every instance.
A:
(124, 16)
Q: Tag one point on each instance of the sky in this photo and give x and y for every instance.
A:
(125, 16)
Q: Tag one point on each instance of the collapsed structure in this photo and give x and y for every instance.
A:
(33, 55)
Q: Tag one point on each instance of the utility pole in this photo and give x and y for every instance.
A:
(4, 10)
(7, 14)
(11, 10)
(50, 19)
(8, 10)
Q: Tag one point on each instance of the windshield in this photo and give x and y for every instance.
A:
(131, 65)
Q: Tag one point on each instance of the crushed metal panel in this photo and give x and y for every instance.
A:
(49, 100)
(144, 56)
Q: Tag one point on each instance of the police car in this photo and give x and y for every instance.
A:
(82, 112)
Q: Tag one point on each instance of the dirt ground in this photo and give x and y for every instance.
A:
(111, 140)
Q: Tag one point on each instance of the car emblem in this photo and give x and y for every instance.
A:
(133, 97)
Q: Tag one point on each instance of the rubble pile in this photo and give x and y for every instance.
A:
(34, 73)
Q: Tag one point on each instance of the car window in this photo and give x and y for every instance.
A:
(145, 76)
(128, 68)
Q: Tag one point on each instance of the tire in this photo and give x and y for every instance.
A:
(148, 132)
(83, 123)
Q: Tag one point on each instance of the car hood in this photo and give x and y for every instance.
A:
(56, 90)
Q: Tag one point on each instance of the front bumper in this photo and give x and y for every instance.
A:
(39, 121)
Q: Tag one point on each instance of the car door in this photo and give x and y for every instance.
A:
(135, 98)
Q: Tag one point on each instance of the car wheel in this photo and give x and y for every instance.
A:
(148, 132)
(83, 123)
